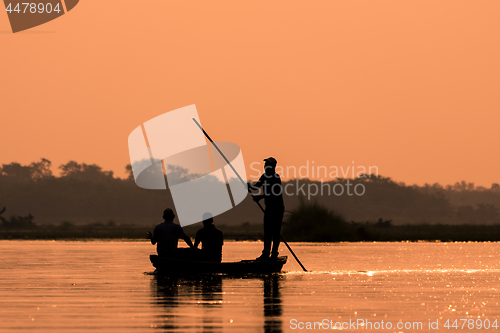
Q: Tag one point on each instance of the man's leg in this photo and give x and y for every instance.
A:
(268, 235)
(277, 219)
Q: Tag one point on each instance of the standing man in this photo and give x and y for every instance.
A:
(270, 182)
(166, 236)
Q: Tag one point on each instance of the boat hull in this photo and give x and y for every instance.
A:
(172, 266)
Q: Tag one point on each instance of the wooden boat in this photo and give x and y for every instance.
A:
(172, 266)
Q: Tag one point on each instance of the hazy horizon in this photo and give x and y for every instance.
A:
(408, 87)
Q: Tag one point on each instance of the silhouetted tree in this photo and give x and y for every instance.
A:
(34, 172)
(129, 172)
(41, 170)
(461, 186)
(84, 172)
(16, 171)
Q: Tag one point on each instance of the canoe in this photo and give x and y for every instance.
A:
(172, 266)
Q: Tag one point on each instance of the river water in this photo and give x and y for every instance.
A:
(107, 286)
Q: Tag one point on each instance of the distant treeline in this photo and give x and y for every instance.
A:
(312, 222)
(85, 194)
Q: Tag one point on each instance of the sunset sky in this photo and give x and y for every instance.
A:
(411, 87)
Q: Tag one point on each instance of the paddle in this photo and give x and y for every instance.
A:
(245, 184)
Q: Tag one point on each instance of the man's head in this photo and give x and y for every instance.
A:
(168, 214)
(208, 219)
(270, 165)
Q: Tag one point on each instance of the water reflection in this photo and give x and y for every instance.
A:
(166, 295)
(196, 303)
(177, 296)
(272, 303)
(210, 289)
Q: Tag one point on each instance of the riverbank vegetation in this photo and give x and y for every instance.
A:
(109, 230)
(309, 222)
(312, 222)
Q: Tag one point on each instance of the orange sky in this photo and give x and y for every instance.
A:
(409, 86)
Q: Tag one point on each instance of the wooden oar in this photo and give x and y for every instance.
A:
(245, 184)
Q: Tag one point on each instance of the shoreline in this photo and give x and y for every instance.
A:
(139, 240)
(350, 233)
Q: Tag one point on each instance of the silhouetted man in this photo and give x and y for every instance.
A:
(167, 234)
(270, 182)
(211, 240)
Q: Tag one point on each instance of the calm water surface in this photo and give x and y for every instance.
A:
(104, 286)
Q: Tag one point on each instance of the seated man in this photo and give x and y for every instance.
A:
(211, 240)
(167, 234)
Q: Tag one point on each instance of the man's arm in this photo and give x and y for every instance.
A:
(255, 186)
(197, 240)
(257, 198)
(188, 242)
(186, 239)
(151, 237)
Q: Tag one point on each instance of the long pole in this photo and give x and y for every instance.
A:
(245, 184)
